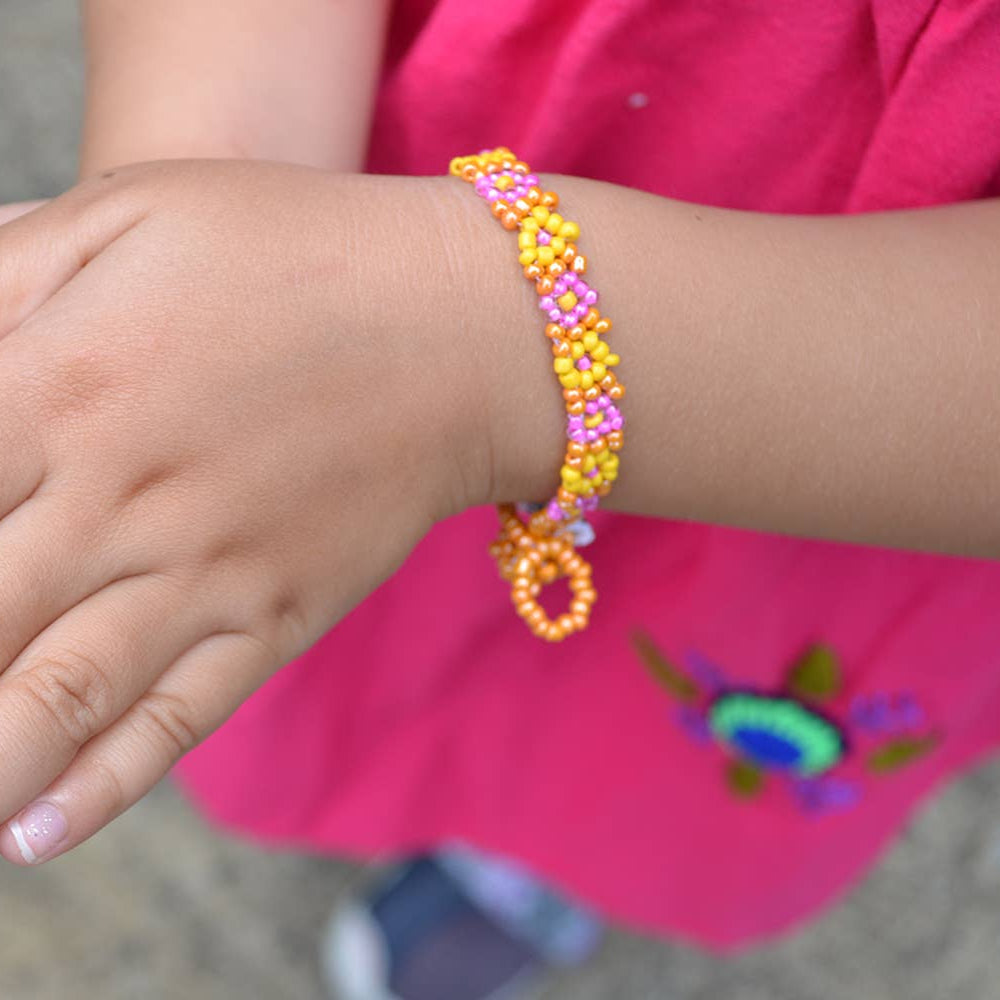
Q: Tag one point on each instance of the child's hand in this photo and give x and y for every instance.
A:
(14, 210)
(222, 425)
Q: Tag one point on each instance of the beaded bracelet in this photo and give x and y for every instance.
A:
(537, 543)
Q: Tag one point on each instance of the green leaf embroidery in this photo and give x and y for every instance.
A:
(677, 683)
(899, 753)
(744, 779)
(816, 677)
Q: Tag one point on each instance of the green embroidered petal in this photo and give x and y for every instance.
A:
(816, 677)
(673, 680)
(899, 753)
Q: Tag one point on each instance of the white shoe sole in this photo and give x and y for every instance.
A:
(352, 956)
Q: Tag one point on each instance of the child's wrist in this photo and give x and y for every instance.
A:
(494, 331)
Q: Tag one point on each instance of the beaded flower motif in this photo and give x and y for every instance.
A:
(793, 735)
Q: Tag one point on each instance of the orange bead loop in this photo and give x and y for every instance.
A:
(531, 562)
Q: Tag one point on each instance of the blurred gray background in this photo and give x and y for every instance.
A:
(159, 907)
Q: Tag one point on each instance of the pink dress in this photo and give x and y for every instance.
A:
(762, 715)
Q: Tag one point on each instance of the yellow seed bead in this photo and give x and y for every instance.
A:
(530, 225)
(589, 463)
(569, 476)
(586, 379)
(525, 240)
(611, 463)
(503, 183)
(600, 352)
(595, 421)
(562, 365)
(611, 475)
(577, 348)
(567, 301)
(541, 214)
(558, 246)
(596, 481)
(571, 380)
(590, 340)
(545, 256)
(611, 360)
(602, 456)
(552, 224)
(569, 231)
(598, 370)
(527, 257)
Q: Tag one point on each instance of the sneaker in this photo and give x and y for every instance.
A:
(455, 926)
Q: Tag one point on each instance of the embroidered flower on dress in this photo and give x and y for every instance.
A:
(784, 735)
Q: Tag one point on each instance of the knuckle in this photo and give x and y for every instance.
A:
(69, 386)
(275, 619)
(74, 692)
(170, 719)
(285, 614)
(153, 479)
(107, 783)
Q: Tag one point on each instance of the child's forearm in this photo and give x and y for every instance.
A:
(833, 377)
(289, 81)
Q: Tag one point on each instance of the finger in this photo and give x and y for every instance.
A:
(195, 696)
(83, 673)
(16, 209)
(42, 250)
(48, 564)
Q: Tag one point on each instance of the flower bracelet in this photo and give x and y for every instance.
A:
(537, 543)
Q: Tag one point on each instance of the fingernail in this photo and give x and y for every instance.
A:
(38, 831)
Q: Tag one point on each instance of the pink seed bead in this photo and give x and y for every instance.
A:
(590, 298)
(556, 316)
(546, 303)
(592, 408)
